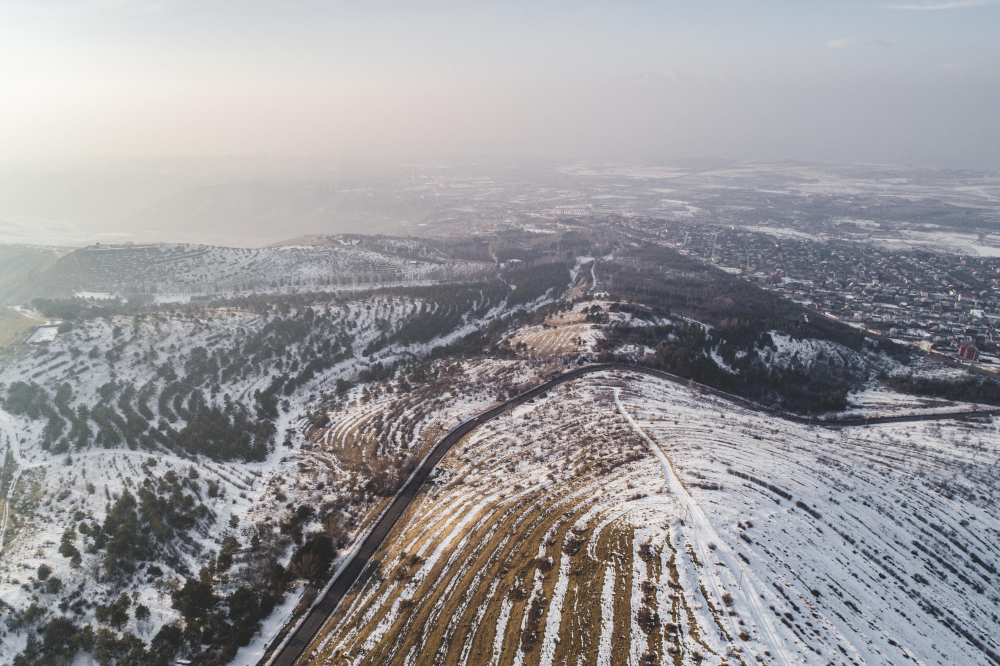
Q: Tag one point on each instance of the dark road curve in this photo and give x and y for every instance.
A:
(317, 616)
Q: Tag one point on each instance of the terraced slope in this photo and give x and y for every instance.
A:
(201, 269)
(627, 520)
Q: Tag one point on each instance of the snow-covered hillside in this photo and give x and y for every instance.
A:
(194, 424)
(169, 271)
(174, 474)
(627, 519)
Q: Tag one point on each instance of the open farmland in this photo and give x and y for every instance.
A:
(625, 520)
(557, 338)
(578, 329)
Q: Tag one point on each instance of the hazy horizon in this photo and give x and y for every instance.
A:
(251, 202)
(251, 122)
(914, 83)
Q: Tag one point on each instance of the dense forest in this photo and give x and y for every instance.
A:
(686, 350)
(660, 277)
(974, 390)
(741, 317)
(229, 433)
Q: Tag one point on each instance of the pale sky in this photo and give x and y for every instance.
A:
(908, 82)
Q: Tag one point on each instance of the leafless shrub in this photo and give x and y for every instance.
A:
(544, 564)
(647, 619)
(572, 545)
(334, 527)
(308, 566)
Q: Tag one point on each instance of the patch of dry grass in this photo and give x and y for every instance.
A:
(14, 328)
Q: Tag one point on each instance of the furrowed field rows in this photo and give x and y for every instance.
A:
(608, 523)
(560, 340)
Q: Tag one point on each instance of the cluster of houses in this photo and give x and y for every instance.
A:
(939, 302)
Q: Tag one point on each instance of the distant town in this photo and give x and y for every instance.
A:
(939, 302)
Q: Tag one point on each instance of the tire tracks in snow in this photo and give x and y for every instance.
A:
(703, 533)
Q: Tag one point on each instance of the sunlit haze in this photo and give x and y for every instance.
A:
(499, 332)
(901, 82)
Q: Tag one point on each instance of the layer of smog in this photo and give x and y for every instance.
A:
(507, 334)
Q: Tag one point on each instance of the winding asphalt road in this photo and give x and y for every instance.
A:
(292, 648)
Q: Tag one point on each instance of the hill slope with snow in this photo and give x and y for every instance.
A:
(627, 519)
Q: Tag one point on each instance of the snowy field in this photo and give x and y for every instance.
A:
(877, 400)
(627, 520)
(941, 241)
